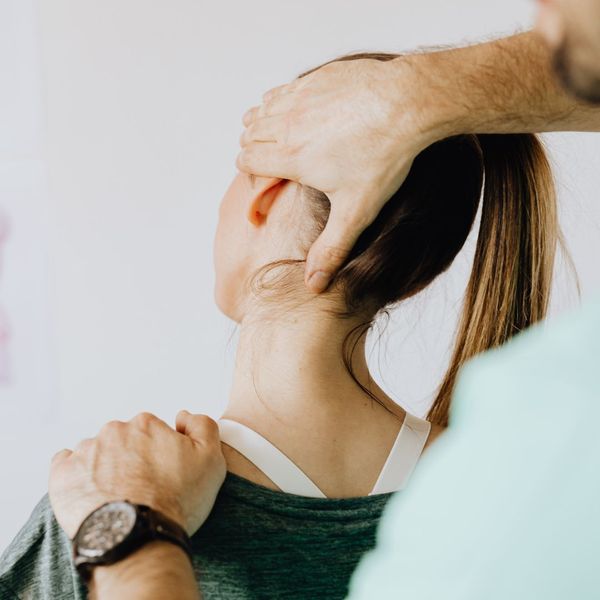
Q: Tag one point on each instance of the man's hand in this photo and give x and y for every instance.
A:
(348, 129)
(352, 129)
(146, 462)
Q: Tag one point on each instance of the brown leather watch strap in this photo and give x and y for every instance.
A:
(149, 525)
(166, 529)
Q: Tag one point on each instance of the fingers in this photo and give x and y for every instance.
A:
(201, 428)
(60, 456)
(267, 159)
(84, 445)
(265, 142)
(250, 115)
(147, 421)
(278, 106)
(267, 129)
(111, 428)
(331, 249)
(281, 90)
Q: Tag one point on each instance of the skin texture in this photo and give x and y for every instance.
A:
(352, 129)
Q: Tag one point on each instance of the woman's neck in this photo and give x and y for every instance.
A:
(291, 385)
(290, 371)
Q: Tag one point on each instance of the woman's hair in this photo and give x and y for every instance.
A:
(425, 224)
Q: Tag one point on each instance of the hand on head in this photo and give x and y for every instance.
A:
(342, 130)
(177, 472)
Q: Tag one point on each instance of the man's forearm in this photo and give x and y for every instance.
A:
(158, 570)
(503, 86)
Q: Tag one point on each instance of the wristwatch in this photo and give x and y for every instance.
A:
(116, 529)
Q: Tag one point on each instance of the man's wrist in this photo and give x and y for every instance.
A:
(416, 87)
(158, 567)
(503, 86)
(422, 86)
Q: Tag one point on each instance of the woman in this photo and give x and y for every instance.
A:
(314, 448)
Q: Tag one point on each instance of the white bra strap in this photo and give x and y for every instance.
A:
(404, 455)
(268, 458)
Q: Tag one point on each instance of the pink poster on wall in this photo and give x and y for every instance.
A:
(28, 388)
(4, 320)
(27, 358)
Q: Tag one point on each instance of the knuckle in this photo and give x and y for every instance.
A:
(242, 160)
(145, 420)
(249, 116)
(239, 160)
(59, 456)
(210, 424)
(84, 445)
(262, 110)
(270, 94)
(111, 427)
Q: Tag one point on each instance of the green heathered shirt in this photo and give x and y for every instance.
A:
(257, 543)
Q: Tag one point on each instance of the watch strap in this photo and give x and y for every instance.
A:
(151, 525)
(166, 529)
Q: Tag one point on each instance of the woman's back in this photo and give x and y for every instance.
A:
(256, 543)
(255, 457)
(260, 543)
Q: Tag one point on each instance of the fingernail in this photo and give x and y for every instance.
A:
(319, 281)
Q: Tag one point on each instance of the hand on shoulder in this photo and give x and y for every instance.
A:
(175, 471)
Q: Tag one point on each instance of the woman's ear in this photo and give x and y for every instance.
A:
(263, 193)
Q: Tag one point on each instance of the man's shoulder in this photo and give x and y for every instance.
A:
(551, 365)
(37, 563)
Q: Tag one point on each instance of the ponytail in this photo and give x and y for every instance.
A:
(426, 222)
(509, 287)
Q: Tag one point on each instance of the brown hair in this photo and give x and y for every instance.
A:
(426, 222)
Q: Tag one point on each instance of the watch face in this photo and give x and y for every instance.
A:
(105, 528)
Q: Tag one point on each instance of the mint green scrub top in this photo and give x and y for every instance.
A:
(507, 504)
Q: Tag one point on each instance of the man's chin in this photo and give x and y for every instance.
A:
(578, 82)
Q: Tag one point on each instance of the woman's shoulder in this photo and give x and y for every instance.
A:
(37, 563)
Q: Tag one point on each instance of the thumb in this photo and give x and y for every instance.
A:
(331, 248)
(200, 428)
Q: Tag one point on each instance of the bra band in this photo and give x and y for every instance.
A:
(288, 477)
(404, 456)
(270, 460)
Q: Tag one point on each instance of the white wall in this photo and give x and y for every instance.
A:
(143, 101)
(28, 367)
